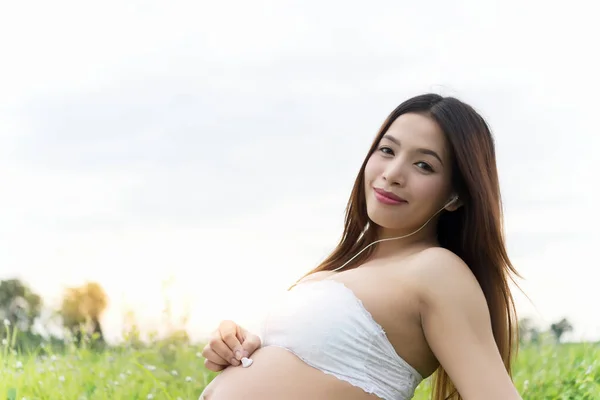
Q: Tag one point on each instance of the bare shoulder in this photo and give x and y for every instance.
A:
(441, 275)
(457, 326)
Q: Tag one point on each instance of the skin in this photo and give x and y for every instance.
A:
(425, 297)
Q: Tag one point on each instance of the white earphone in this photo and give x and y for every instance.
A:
(452, 200)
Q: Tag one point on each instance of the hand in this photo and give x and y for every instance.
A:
(227, 345)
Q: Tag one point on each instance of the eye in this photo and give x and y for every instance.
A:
(425, 166)
(386, 150)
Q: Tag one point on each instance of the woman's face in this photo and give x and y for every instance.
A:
(411, 161)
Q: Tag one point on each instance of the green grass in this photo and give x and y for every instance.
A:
(165, 372)
(177, 372)
(552, 372)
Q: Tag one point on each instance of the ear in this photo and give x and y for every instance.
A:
(454, 204)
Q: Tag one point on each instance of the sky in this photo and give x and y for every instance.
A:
(204, 151)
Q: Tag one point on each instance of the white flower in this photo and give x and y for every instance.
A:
(6, 322)
(53, 357)
(150, 368)
(4, 342)
(61, 378)
(150, 396)
(19, 364)
(174, 373)
(188, 378)
(199, 355)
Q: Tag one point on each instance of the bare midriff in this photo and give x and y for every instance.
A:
(277, 374)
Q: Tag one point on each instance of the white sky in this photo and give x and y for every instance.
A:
(217, 142)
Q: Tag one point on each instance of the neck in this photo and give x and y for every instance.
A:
(426, 237)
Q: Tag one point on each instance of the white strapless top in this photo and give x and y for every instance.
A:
(324, 324)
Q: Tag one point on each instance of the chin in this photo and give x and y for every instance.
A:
(379, 219)
(386, 217)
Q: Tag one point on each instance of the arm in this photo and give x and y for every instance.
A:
(457, 325)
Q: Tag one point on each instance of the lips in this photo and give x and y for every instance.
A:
(388, 197)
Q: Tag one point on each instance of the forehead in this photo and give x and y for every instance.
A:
(416, 130)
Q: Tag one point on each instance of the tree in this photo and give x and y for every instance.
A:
(528, 332)
(82, 308)
(19, 304)
(561, 327)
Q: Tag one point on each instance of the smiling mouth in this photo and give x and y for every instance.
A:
(387, 197)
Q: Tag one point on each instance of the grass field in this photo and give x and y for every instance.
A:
(569, 371)
(565, 372)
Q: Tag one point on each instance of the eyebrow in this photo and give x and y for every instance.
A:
(420, 150)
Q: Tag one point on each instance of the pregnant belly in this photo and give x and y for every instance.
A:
(278, 374)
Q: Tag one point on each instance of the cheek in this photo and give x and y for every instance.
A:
(372, 171)
(429, 188)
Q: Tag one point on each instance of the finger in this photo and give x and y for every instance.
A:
(241, 334)
(212, 356)
(229, 333)
(251, 344)
(211, 366)
(217, 345)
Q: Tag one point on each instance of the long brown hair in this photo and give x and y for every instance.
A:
(474, 232)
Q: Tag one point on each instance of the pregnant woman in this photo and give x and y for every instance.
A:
(419, 283)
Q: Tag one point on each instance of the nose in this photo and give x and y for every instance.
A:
(394, 173)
